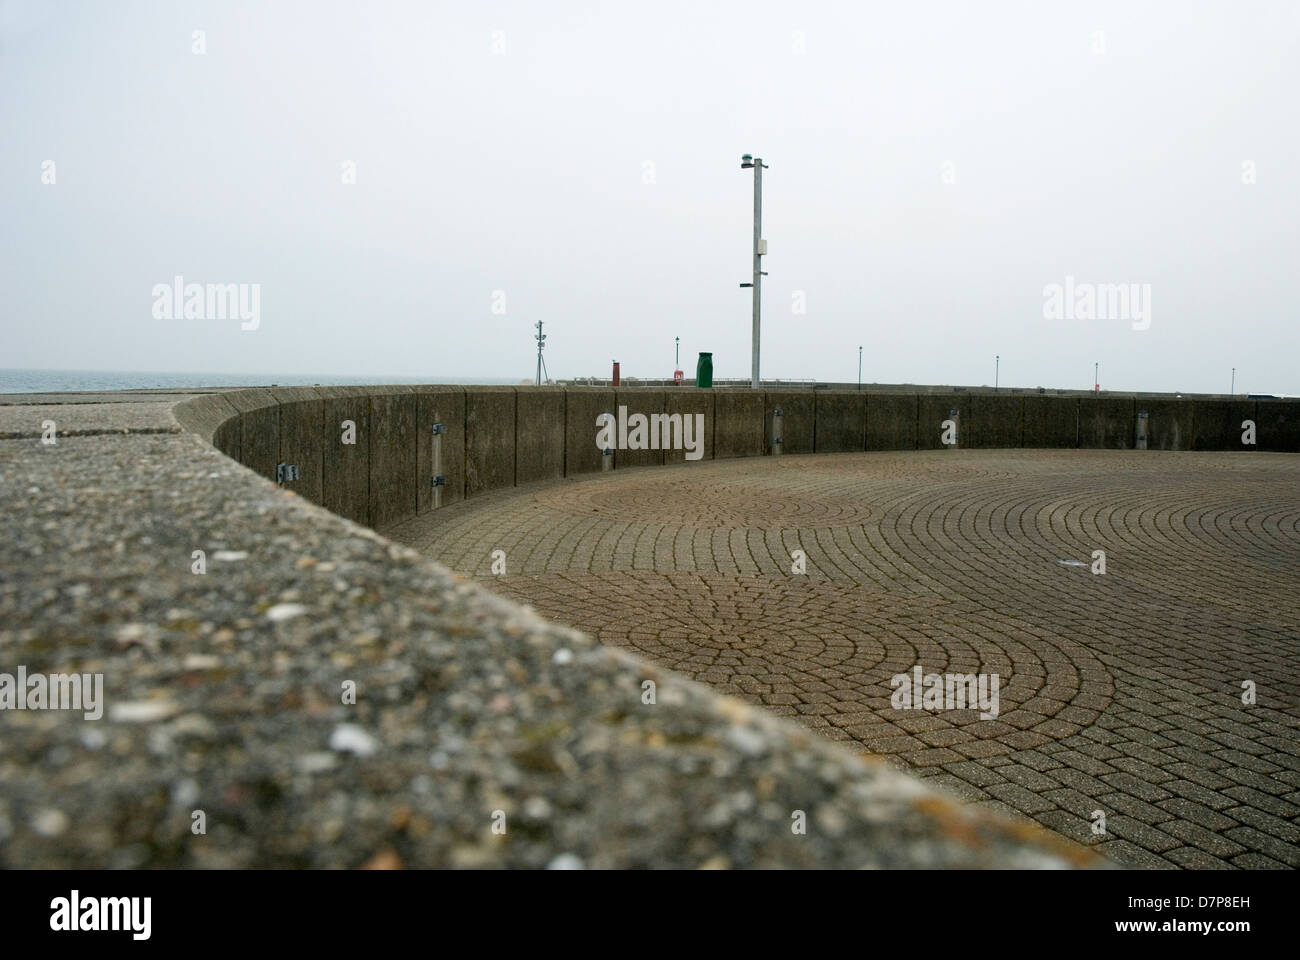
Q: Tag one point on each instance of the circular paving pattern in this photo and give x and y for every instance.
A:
(801, 642)
(712, 503)
(1119, 691)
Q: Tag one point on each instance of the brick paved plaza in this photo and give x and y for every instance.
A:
(1120, 692)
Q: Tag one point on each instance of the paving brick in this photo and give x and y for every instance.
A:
(1197, 813)
(1068, 825)
(1193, 858)
(1268, 845)
(982, 749)
(1133, 807)
(1142, 770)
(1037, 760)
(1131, 855)
(1207, 840)
(1246, 761)
(1144, 835)
(1088, 764)
(1200, 785)
(1017, 796)
(1069, 777)
(1287, 831)
(1263, 801)
(932, 757)
(1257, 861)
(1262, 783)
(1027, 777)
(956, 786)
(1128, 783)
(974, 773)
(1075, 802)
(1098, 751)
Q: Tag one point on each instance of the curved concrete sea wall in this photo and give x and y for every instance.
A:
(221, 692)
(493, 437)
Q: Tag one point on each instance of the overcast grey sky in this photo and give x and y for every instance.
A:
(934, 166)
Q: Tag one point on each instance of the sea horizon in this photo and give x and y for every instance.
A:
(72, 381)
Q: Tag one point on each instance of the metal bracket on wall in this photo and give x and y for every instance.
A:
(284, 472)
(438, 481)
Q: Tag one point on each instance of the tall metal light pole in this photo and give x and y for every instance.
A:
(859, 368)
(1096, 381)
(1233, 391)
(677, 352)
(748, 162)
(997, 364)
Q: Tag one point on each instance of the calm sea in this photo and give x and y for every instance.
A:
(58, 381)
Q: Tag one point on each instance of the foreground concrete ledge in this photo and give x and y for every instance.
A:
(223, 694)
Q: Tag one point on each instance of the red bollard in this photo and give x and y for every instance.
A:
(615, 383)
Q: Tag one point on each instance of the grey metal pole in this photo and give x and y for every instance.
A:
(540, 340)
(1233, 391)
(997, 366)
(758, 263)
(859, 368)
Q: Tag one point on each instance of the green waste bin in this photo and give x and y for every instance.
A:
(704, 370)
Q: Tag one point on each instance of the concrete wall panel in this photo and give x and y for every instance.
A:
(539, 434)
(582, 406)
(1051, 422)
(1107, 423)
(345, 475)
(1169, 424)
(932, 411)
(739, 416)
(644, 400)
(993, 422)
(227, 438)
(392, 455)
(891, 421)
(302, 439)
(692, 401)
(489, 439)
(1277, 425)
(841, 421)
(1216, 424)
(259, 429)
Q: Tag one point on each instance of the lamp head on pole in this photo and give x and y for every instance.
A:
(747, 161)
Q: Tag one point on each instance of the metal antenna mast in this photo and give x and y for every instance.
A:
(541, 342)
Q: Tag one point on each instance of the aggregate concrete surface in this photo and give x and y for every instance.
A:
(22, 416)
(1121, 692)
(224, 696)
